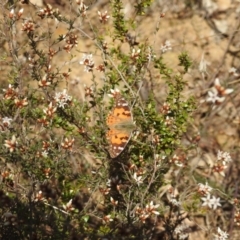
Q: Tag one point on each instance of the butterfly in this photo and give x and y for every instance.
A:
(120, 125)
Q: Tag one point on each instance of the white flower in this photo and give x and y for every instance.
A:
(114, 93)
(166, 46)
(11, 92)
(88, 62)
(224, 157)
(68, 207)
(107, 219)
(82, 7)
(211, 202)
(138, 179)
(150, 208)
(207, 201)
(178, 160)
(39, 196)
(20, 12)
(135, 54)
(11, 144)
(217, 94)
(215, 202)
(103, 17)
(221, 235)
(175, 202)
(6, 121)
(214, 98)
(44, 153)
(221, 90)
(204, 189)
(150, 55)
(114, 203)
(62, 98)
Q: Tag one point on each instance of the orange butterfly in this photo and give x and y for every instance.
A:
(120, 124)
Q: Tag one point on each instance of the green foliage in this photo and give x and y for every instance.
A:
(141, 6)
(185, 61)
(120, 28)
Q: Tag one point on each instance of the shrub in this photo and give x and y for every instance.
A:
(66, 172)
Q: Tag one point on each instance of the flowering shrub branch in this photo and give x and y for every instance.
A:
(58, 176)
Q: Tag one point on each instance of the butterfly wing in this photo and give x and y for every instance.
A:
(120, 124)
